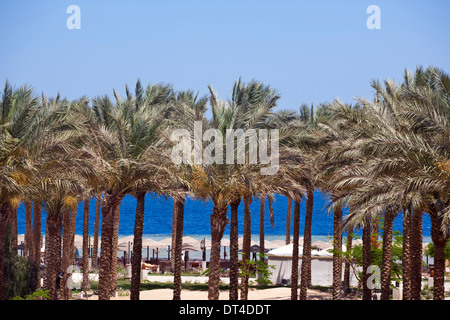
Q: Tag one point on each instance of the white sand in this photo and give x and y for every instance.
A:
(283, 293)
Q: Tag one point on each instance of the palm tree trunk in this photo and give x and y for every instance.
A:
(337, 246)
(306, 256)
(416, 255)
(375, 230)
(288, 221)
(137, 247)
(12, 219)
(246, 247)
(96, 229)
(68, 250)
(46, 278)
(174, 231)
(295, 253)
(406, 262)
(66, 254)
(387, 255)
(234, 248)
(218, 223)
(53, 253)
(4, 214)
(261, 228)
(109, 204)
(367, 260)
(115, 243)
(28, 245)
(85, 284)
(37, 233)
(346, 285)
(179, 211)
(439, 239)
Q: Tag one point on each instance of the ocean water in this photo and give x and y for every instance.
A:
(158, 218)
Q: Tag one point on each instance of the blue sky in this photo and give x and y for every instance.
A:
(310, 51)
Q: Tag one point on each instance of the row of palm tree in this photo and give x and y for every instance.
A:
(381, 157)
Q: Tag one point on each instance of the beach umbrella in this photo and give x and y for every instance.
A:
(277, 244)
(273, 244)
(126, 239)
(123, 246)
(165, 242)
(189, 247)
(321, 244)
(225, 242)
(124, 242)
(147, 242)
(191, 241)
(208, 243)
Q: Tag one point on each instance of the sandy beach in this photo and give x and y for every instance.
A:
(278, 293)
(283, 293)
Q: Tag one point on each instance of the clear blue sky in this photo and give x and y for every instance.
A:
(311, 51)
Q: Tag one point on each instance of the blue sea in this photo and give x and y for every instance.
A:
(158, 217)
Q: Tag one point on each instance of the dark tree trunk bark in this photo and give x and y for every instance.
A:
(288, 221)
(406, 263)
(234, 248)
(346, 286)
(246, 247)
(53, 253)
(178, 249)
(337, 260)
(295, 253)
(439, 238)
(416, 255)
(109, 204)
(115, 243)
(28, 245)
(261, 228)
(137, 247)
(5, 210)
(367, 260)
(387, 255)
(306, 256)
(96, 232)
(65, 254)
(37, 233)
(85, 285)
(218, 221)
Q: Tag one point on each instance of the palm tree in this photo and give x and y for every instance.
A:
(45, 138)
(249, 108)
(185, 109)
(17, 107)
(401, 136)
(421, 106)
(125, 142)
